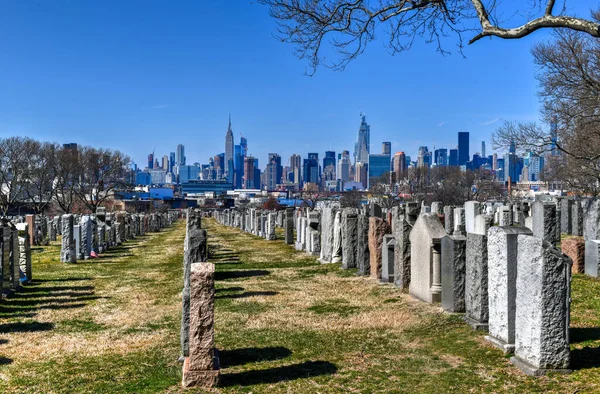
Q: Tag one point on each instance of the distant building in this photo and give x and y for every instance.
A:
(188, 173)
(329, 168)
(229, 164)
(453, 158)
(463, 148)
(295, 169)
(180, 155)
(344, 166)
(441, 157)
(172, 161)
(199, 187)
(362, 148)
(158, 176)
(400, 167)
(249, 172)
(386, 148)
(361, 174)
(482, 148)
(72, 146)
(379, 164)
(311, 168)
(165, 163)
(533, 165)
(143, 178)
(274, 171)
(424, 157)
(151, 161)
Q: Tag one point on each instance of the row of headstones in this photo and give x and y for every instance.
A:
(86, 236)
(412, 248)
(198, 355)
(15, 255)
(261, 223)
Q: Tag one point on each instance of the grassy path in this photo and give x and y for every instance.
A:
(284, 324)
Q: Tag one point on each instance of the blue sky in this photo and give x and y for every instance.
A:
(143, 75)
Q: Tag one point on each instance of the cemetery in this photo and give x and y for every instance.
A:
(485, 297)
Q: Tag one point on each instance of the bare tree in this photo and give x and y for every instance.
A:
(13, 164)
(39, 173)
(349, 25)
(351, 199)
(100, 171)
(66, 169)
(569, 77)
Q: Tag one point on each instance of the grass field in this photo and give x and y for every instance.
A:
(284, 324)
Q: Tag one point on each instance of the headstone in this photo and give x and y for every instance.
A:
(402, 230)
(459, 222)
(472, 209)
(6, 246)
(566, 215)
(476, 279)
(425, 265)
(376, 211)
(505, 217)
(437, 207)
(449, 219)
(327, 224)
(502, 282)
(77, 238)
(289, 226)
(68, 253)
(24, 251)
(387, 258)
(542, 308)
(194, 251)
(200, 367)
(453, 273)
(336, 253)
(574, 247)
(363, 257)
(592, 257)
(15, 258)
(591, 219)
(30, 220)
(544, 221)
(377, 229)
(349, 237)
(86, 237)
(577, 219)
(271, 222)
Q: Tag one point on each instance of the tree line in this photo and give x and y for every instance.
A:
(38, 174)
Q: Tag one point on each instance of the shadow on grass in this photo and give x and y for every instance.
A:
(36, 282)
(224, 275)
(5, 361)
(588, 357)
(248, 294)
(583, 334)
(226, 289)
(230, 358)
(29, 326)
(55, 289)
(303, 370)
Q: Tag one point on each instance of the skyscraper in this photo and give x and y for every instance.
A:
(344, 165)
(311, 168)
(229, 165)
(180, 155)
(424, 157)
(362, 148)
(441, 157)
(329, 172)
(399, 166)
(386, 148)
(165, 163)
(295, 165)
(453, 157)
(171, 161)
(483, 149)
(273, 171)
(463, 147)
(151, 161)
(249, 172)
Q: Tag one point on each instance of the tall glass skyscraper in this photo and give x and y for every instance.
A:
(229, 165)
(463, 147)
(362, 148)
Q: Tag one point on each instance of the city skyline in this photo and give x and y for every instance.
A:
(144, 88)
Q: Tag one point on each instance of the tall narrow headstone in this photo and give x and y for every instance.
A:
(542, 308)
(194, 251)
(453, 273)
(67, 252)
(289, 226)
(502, 285)
(544, 221)
(402, 229)
(363, 257)
(200, 366)
(349, 237)
(387, 258)
(377, 229)
(336, 251)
